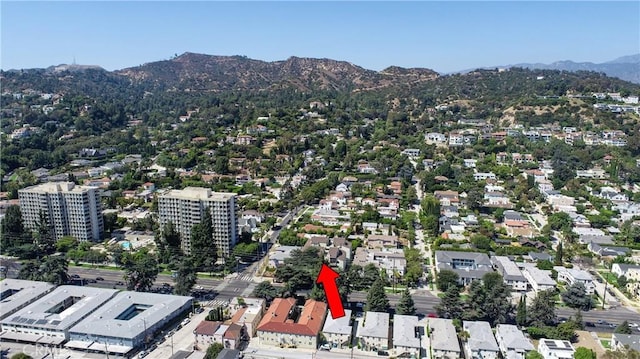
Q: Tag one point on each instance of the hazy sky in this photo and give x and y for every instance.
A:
(444, 36)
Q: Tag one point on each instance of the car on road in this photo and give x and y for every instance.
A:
(143, 354)
(325, 347)
(119, 283)
(92, 281)
(75, 276)
(99, 278)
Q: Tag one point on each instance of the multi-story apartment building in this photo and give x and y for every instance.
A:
(70, 210)
(185, 208)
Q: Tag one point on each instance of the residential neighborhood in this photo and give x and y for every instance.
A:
(184, 209)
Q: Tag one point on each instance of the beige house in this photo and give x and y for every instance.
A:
(337, 332)
(373, 331)
(287, 325)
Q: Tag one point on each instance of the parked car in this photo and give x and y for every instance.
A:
(99, 278)
(383, 353)
(325, 346)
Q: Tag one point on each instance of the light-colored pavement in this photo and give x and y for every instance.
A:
(182, 339)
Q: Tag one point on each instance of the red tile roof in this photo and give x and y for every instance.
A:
(309, 322)
(207, 328)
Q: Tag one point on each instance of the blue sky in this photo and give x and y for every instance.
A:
(444, 36)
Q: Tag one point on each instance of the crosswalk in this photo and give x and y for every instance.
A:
(246, 277)
(217, 303)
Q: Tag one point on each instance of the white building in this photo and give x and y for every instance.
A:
(538, 279)
(512, 342)
(337, 332)
(573, 275)
(510, 273)
(49, 319)
(404, 335)
(481, 342)
(480, 176)
(442, 339)
(18, 293)
(71, 210)
(373, 333)
(555, 349)
(185, 208)
(124, 322)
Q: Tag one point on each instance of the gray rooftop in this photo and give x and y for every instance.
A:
(577, 274)
(282, 252)
(376, 325)
(480, 336)
(539, 276)
(513, 338)
(338, 326)
(17, 293)
(509, 270)
(106, 322)
(632, 340)
(404, 331)
(444, 335)
(80, 302)
(448, 256)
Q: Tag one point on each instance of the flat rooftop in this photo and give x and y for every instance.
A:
(338, 326)
(128, 313)
(198, 193)
(17, 293)
(376, 325)
(404, 331)
(61, 309)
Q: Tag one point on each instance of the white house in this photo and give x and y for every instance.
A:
(337, 332)
(442, 339)
(404, 337)
(555, 349)
(373, 332)
(481, 342)
(483, 176)
(574, 275)
(512, 342)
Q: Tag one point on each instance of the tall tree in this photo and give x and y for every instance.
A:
(406, 306)
(377, 300)
(265, 290)
(559, 254)
(52, 269)
(497, 307)
(450, 305)
(521, 312)
(576, 297)
(446, 278)
(541, 311)
(185, 278)
(623, 328)
(475, 303)
(12, 222)
(203, 250)
(43, 236)
(141, 271)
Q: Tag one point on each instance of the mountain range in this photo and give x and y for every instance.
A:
(209, 73)
(626, 67)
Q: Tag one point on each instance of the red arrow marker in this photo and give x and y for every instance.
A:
(327, 277)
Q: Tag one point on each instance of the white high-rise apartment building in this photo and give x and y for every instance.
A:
(184, 208)
(70, 209)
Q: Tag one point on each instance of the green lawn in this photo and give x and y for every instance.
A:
(606, 343)
(609, 277)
